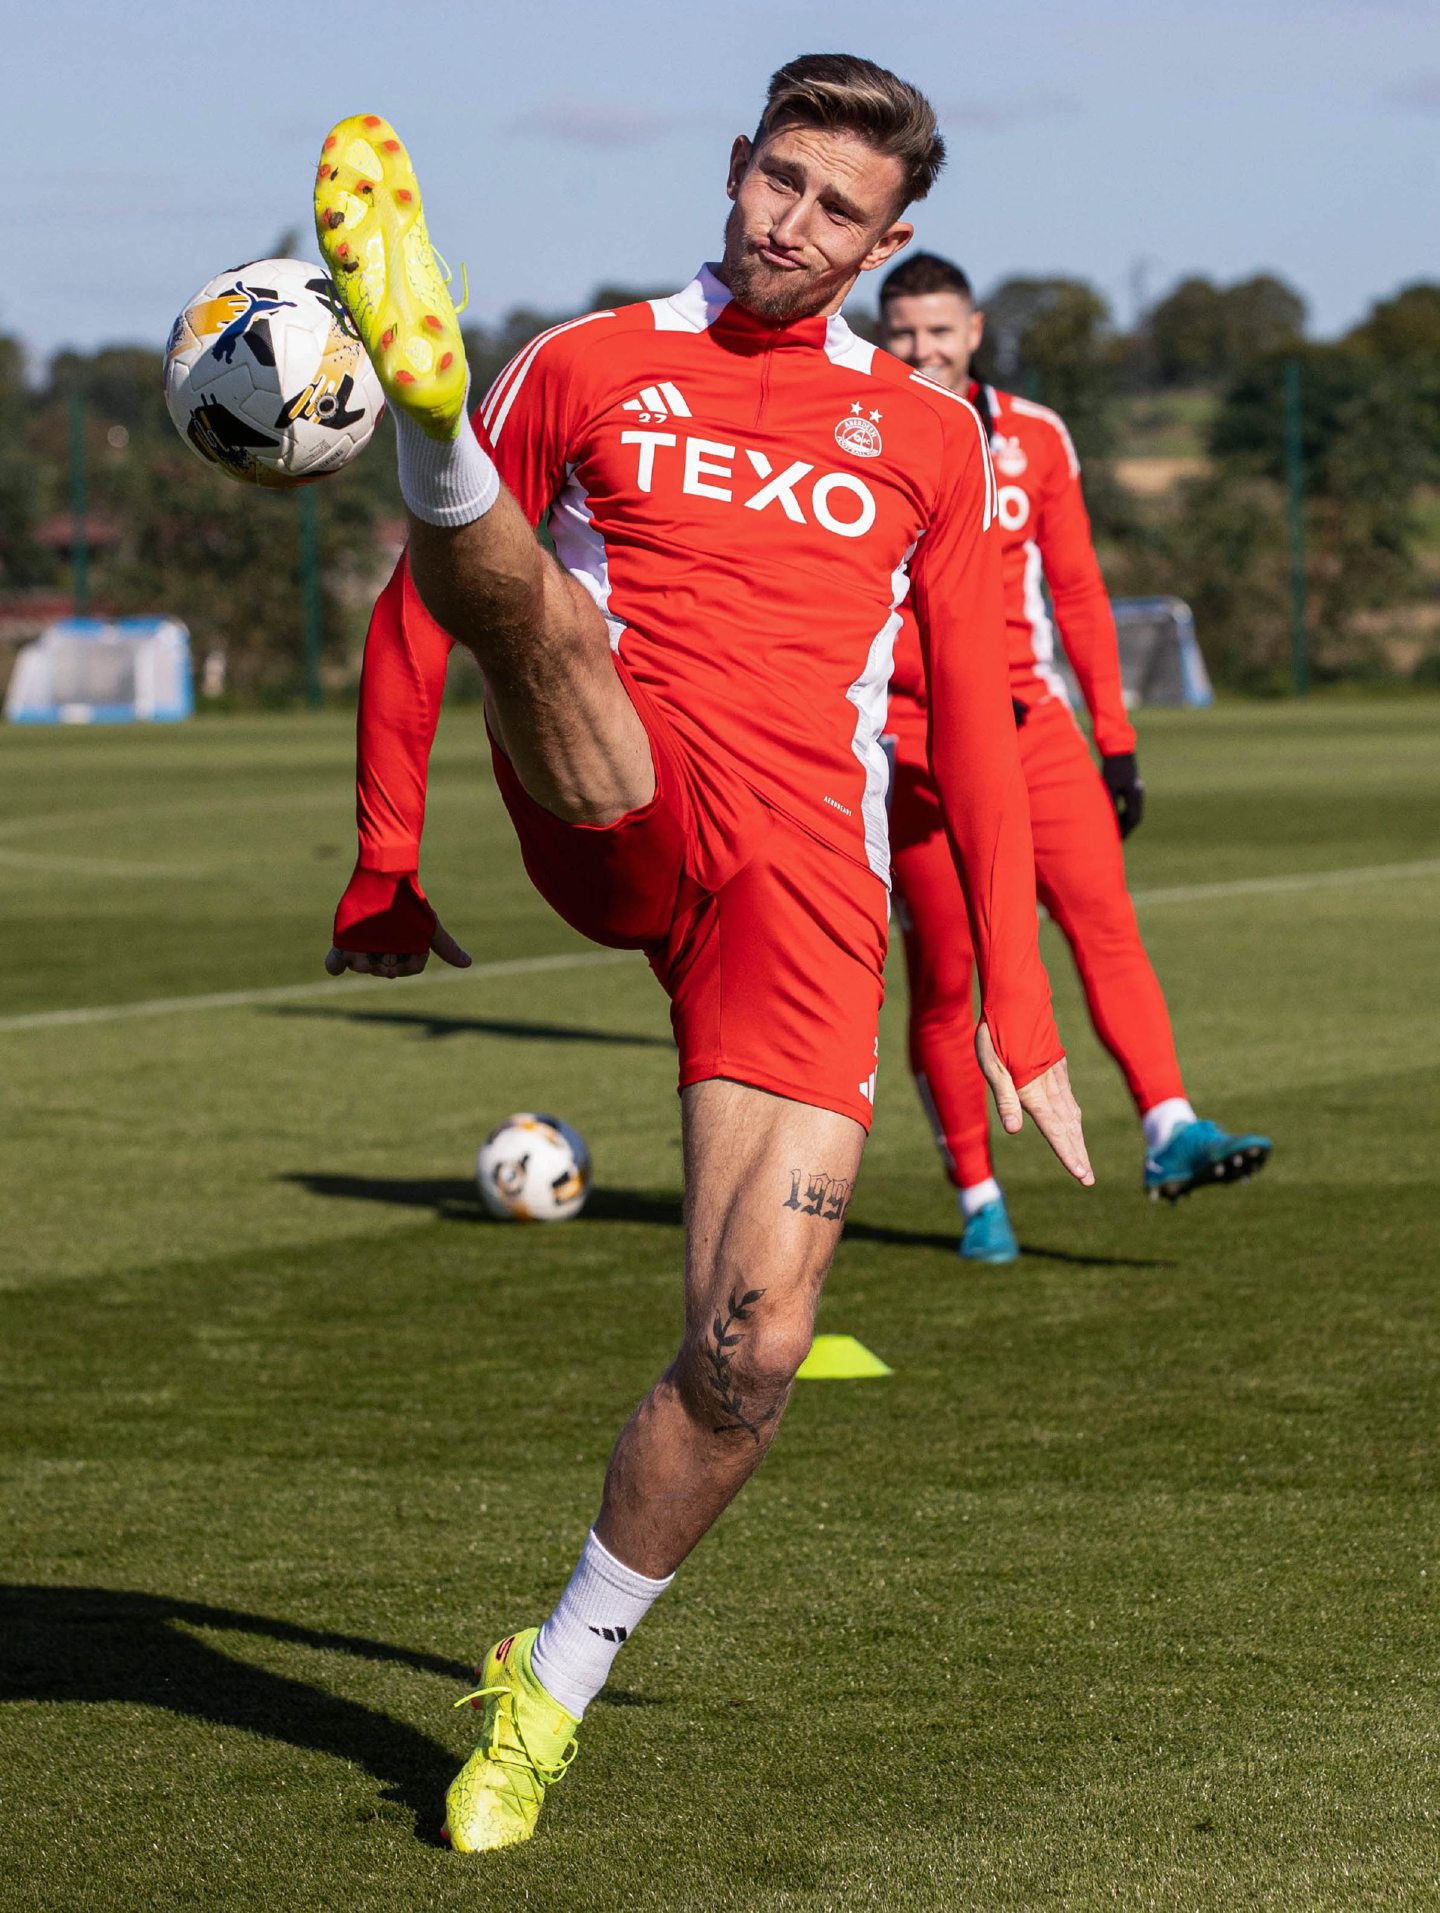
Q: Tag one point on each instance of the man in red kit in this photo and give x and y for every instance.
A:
(1078, 819)
(686, 714)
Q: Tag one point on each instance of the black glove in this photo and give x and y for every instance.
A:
(1127, 793)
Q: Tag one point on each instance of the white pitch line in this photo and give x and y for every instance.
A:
(581, 959)
(1298, 880)
(285, 992)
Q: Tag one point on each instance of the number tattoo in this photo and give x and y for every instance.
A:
(820, 1195)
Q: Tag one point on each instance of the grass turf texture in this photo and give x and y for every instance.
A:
(1121, 1590)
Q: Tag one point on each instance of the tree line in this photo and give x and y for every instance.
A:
(1369, 463)
(177, 536)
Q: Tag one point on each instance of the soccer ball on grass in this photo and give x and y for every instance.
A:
(533, 1169)
(266, 378)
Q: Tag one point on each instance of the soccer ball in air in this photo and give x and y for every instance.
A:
(265, 377)
(533, 1169)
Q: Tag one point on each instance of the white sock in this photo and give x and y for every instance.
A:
(603, 1603)
(1162, 1120)
(449, 481)
(974, 1198)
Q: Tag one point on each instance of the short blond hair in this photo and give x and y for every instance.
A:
(846, 94)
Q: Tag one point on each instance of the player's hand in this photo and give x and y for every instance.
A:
(394, 963)
(386, 927)
(1048, 1101)
(1122, 779)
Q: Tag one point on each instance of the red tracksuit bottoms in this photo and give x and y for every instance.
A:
(1080, 879)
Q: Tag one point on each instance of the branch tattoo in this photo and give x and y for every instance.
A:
(719, 1371)
(817, 1194)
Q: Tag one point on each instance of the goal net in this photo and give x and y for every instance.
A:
(1160, 658)
(1160, 661)
(99, 671)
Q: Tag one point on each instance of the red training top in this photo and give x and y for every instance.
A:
(1045, 533)
(749, 504)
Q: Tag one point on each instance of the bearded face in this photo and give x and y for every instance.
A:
(812, 209)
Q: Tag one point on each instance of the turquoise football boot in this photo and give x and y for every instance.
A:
(1199, 1154)
(988, 1236)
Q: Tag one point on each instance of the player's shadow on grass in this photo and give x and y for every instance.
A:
(93, 1645)
(441, 1026)
(941, 1239)
(453, 1199)
(1039, 1253)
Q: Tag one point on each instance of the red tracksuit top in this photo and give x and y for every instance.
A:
(749, 504)
(1045, 533)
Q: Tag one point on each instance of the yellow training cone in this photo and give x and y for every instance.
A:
(839, 1358)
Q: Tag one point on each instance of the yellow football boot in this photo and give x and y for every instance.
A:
(371, 229)
(526, 1743)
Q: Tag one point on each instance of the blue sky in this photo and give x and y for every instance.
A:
(559, 145)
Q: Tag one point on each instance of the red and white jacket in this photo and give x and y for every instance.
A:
(1045, 539)
(749, 505)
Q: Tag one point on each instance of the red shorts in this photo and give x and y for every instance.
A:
(770, 945)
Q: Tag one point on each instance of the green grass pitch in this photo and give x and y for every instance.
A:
(1120, 1591)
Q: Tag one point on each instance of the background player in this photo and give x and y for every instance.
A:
(930, 321)
(686, 715)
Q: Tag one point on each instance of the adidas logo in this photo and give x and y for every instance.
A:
(617, 1634)
(656, 403)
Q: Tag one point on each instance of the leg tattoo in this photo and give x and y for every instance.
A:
(820, 1195)
(724, 1336)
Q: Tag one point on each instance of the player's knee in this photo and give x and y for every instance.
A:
(773, 1359)
(1100, 923)
(943, 1008)
(942, 991)
(735, 1372)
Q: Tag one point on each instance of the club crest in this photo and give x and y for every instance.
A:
(1008, 454)
(859, 433)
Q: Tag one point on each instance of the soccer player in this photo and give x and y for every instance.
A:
(1078, 819)
(685, 714)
